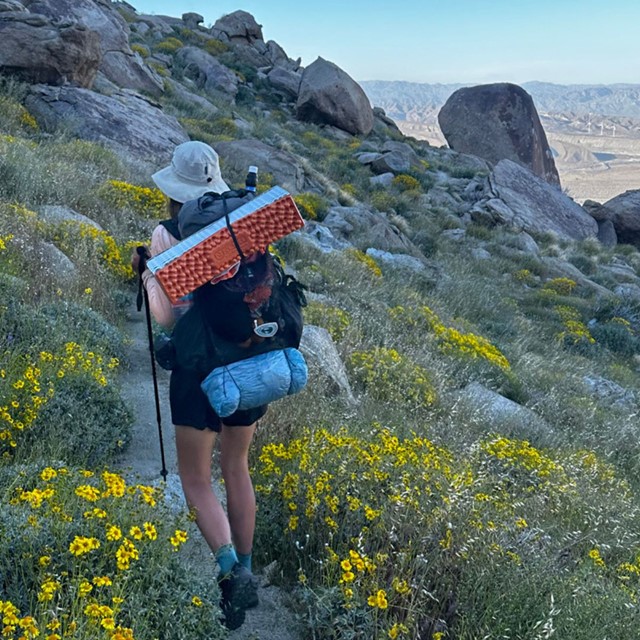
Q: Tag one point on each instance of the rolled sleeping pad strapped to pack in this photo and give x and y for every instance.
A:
(255, 381)
(211, 251)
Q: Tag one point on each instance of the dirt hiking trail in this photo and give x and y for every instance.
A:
(271, 620)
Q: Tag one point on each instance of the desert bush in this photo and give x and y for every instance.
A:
(365, 259)
(386, 533)
(169, 45)
(383, 200)
(586, 264)
(618, 336)
(391, 377)
(210, 130)
(450, 340)
(405, 182)
(334, 319)
(145, 201)
(141, 50)
(95, 246)
(66, 386)
(95, 552)
(312, 205)
(561, 286)
(215, 47)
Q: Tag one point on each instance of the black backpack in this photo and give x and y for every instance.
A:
(205, 338)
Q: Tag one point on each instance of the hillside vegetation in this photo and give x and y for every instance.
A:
(484, 483)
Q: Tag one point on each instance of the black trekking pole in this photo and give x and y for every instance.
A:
(143, 295)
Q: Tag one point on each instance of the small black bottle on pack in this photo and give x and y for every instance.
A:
(252, 179)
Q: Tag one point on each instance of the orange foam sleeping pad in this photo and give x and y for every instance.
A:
(192, 266)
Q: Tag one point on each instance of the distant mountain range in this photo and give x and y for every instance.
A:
(418, 102)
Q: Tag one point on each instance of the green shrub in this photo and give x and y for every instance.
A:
(383, 200)
(210, 130)
(618, 336)
(215, 47)
(335, 320)
(389, 376)
(141, 50)
(160, 69)
(312, 205)
(170, 45)
(587, 265)
(561, 286)
(383, 531)
(404, 182)
(93, 553)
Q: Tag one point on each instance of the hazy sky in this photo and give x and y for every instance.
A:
(467, 41)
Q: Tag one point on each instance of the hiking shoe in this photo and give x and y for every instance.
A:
(239, 591)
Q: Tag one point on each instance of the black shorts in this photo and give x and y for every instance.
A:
(190, 406)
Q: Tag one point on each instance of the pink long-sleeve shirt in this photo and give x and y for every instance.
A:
(163, 311)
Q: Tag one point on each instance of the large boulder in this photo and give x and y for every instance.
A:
(505, 416)
(625, 215)
(285, 82)
(535, 206)
(328, 95)
(207, 72)
(498, 122)
(119, 63)
(123, 121)
(37, 50)
(285, 168)
(322, 355)
(237, 27)
(244, 35)
(396, 158)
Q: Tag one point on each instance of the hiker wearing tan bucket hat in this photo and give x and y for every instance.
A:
(194, 171)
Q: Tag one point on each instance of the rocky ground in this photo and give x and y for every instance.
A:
(272, 620)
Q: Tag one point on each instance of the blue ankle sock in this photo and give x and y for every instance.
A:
(226, 557)
(245, 560)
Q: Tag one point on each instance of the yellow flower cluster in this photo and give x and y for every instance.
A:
(575, 330)
(11, 620)
(561, 286)
(81, 545)
(32, 387)
(335, 320)
(68, 596)
(311, 205)
(378, 599)
(520, 454)
(366, 260)
(4, 240)
(391, 377)
(146, 202)
(69, 235)
(178, 539)
(451, 340)
(331, 483)
(28, 121)
(596, 558)
(406, 182)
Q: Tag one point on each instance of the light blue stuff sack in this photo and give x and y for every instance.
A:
(255, 381)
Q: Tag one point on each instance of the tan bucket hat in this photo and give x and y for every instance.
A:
(194, 170)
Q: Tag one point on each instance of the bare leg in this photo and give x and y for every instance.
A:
(241, 500)
(195, 449)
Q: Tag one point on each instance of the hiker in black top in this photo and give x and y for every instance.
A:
(194, 171)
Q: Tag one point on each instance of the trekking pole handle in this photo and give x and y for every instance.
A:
(143, 254)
